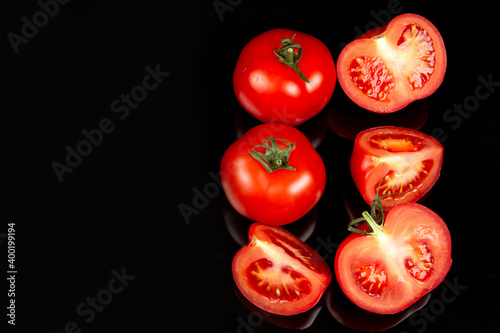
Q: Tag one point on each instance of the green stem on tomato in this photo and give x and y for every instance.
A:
(289, 53)
(374, 219)
(274, 158)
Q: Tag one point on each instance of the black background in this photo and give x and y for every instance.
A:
(119, 208)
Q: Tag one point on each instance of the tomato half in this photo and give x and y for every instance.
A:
(404, 62)
(278, 196)
(274, 92)
(398, 160)
(278, 272)
(389, 270)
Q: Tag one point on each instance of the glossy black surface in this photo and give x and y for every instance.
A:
(117, 213)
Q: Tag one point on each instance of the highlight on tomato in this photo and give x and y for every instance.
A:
(402, 161)
(387, 68)
(387, 264)
(273, 174)
(279, 273)
(284, 76)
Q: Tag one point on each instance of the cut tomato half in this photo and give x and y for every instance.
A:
(390, 269)
(395, 160)
(278, 272)
(386, 69)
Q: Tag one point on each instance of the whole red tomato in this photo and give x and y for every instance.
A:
(387, 68)
(273, 174)
(284, 76)
(402, 162)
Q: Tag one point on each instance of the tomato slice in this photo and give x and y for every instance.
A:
(278, 272)
(385, 70)
(390, 270)
(398, 160)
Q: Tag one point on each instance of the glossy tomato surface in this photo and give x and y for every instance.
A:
(278, 272)
(278, 197)
(274, 92)
(398, 160)
(386, 69)
(387, 272)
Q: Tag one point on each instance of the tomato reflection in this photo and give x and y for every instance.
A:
(353, 317)
(314, 129)
(348, 121)
(237, 225)
(252, 313)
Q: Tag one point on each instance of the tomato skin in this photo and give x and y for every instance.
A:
(406, 227)
(370, 164)
(291, 262)
(385, 45)
(274, 92)
(279, 197)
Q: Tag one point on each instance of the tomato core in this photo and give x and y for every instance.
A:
(405, 180)
(371, 280)
(415, 41)
(284, 285)
(293, 252)
(371, 76)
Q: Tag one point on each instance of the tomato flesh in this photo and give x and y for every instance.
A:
(396, 143)
(387, 272)
(395, 161)
(371, 76)
(278, 272)
(421, 269)
(371, 279)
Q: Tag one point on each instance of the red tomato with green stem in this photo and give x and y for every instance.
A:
(284, 76)
(387, 264)
(387, 68)
(278, 272)
(399, 160)
(273, 174)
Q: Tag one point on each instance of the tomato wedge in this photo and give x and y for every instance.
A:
(398, 160)
(386, 69)
(278, 272)
(401, 260)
